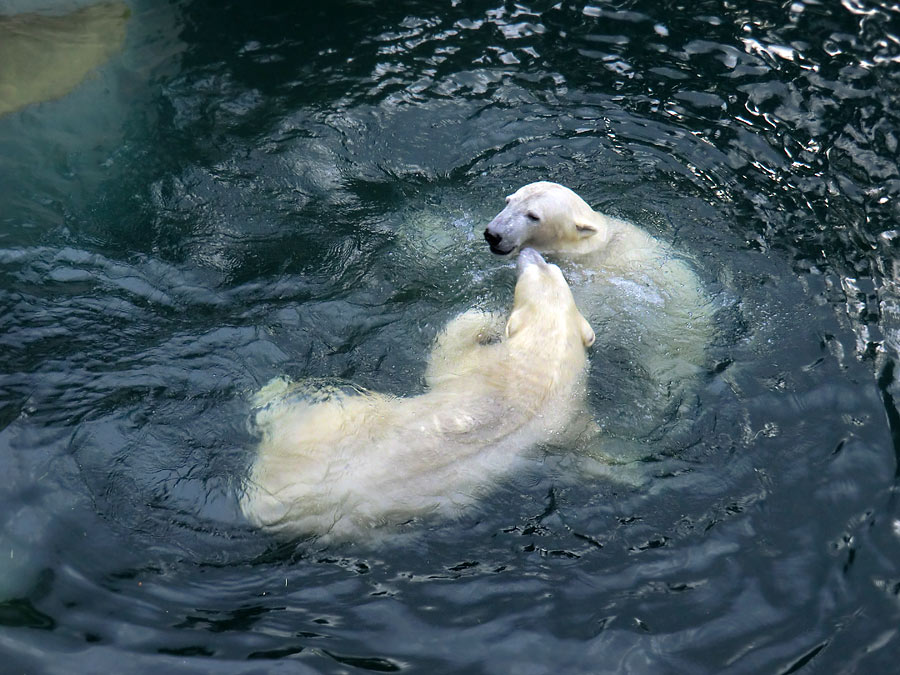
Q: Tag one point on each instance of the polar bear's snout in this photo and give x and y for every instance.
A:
(503, 234)
(528, 256)
(494, 241)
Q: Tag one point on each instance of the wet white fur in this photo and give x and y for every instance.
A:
(635, 290)
(342, 464)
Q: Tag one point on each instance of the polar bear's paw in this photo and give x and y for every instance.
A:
(282, 394)
(470, 329)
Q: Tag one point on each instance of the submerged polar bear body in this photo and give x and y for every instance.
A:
(342, 464)
(644, 300)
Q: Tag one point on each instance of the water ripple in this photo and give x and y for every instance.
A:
(300, 189)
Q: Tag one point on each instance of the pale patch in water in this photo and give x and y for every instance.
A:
(44, 57)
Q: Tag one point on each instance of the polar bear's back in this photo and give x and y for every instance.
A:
(638, 291)
(361, 458)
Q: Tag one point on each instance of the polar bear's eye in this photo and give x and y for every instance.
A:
(532, 216)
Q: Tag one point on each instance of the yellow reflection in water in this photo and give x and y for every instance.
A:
(44, 57)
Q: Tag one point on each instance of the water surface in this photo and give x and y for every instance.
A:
(256, 189)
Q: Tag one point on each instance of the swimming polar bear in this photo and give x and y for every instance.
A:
(648, 307)
(337, 464)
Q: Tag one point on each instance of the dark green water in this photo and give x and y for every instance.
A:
(256, 189)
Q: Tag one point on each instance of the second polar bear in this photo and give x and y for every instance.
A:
(339, 464)
(648, 307)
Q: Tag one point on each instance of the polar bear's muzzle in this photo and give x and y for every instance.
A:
(528, 256)
(496, 243)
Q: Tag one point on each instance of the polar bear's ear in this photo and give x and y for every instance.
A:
(587, 333)
(585, 228)
(514, 323)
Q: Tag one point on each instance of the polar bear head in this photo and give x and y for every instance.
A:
(545, 215)
(544, 305)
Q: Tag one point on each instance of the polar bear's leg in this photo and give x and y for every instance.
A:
(468, 330)
(275, 388)
(282, 395)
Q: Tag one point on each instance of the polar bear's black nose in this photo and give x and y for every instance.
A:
(493, 240)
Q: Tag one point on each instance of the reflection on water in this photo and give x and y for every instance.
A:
(45, 56)
(249, 190)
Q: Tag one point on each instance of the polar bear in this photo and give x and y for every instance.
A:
(648, 307)
(336, 464)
